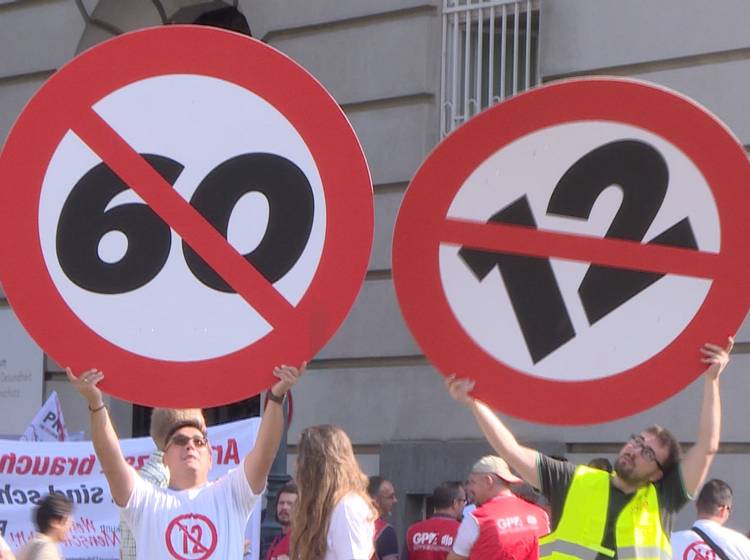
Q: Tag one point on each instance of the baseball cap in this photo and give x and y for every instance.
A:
(492, 464)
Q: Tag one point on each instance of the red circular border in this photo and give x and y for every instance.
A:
(192, 516)
(249, 64)
(679, 120)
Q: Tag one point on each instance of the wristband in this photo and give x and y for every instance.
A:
(97, 409)
(275, 398)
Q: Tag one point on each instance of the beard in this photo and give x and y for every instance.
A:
(624, 467)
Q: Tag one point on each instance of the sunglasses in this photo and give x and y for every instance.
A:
(181, 440)
(638, 441)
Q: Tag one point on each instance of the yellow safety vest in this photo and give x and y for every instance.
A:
(580, 531)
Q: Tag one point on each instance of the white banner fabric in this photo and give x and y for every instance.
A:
(30, 470)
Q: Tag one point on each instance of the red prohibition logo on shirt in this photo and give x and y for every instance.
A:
(191, 537)
(699, 551)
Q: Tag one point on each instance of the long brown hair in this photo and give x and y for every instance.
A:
(326, 471)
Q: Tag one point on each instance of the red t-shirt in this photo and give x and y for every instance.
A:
(431, 539)
(279, 548)
(509, 529)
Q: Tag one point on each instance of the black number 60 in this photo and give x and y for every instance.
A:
(85, 220)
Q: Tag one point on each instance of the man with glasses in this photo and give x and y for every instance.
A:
(503, 526)
(628, 514)
(192, 518)
(432, 539)
(709, 537)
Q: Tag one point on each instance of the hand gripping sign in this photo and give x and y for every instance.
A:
(184, 208)
(572, 248)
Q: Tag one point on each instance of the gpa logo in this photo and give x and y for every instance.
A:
(510, 523)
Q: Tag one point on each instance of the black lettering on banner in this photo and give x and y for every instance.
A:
(642, 174)
(531, 285)
(290, 205)
(84, 221)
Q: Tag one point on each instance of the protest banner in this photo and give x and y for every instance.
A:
(30, 470)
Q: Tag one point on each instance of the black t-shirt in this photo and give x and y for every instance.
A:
(387, 542)
(556, 476)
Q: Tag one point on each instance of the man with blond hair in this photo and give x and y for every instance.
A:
(192, 518)
(154, 470)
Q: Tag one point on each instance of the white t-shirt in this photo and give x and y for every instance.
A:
(351, 530)
(688, 545)
(3, 545)
(467, 535)
(207, 522)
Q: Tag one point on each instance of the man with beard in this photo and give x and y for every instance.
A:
(279, 549)
(628, 514)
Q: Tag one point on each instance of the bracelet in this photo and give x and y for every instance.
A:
(97, 409)
(275, 398)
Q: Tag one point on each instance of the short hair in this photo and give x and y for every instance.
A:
(667, 439)
(714, 495)
(288, 488)
(53, 507)
(445, 494)
(601, 463)
(373, 485)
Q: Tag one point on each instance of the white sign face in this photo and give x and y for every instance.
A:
(198, 124)
(21, 375)
(526, 176)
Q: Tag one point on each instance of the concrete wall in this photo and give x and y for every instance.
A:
(381, 61)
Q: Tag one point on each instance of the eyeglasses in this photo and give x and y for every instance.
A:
(181, 440)
(637, 440)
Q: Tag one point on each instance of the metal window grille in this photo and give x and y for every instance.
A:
(490, 52)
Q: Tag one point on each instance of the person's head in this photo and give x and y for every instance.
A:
(715, 501)
(489, 477)
(285, 504)
(187, 453)
(647, 456)
(449, 498)
(326, 471)
(165, 421)
(383, 494)
(53, 516)
(601, 463)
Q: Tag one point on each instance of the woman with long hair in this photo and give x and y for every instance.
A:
(334, 517)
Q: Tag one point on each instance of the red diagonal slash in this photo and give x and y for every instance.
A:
(196, 543)
(617, 253)
(182, 218)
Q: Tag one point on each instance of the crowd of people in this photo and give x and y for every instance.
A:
(334, 512)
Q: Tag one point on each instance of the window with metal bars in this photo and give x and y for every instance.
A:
(490, 52)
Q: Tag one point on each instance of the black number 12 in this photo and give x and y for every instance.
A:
(642, 174)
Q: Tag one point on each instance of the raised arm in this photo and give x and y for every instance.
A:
(698, 459)
(522, 459)
(258, 461)
(120, 475)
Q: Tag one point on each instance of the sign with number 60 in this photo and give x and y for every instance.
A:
(191, 208)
